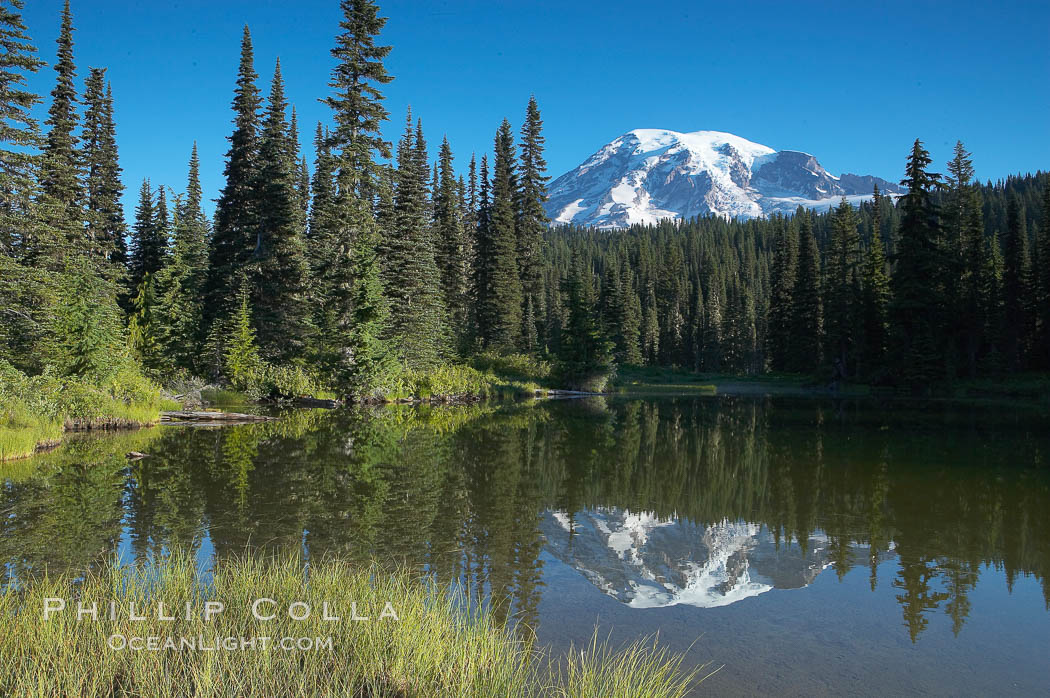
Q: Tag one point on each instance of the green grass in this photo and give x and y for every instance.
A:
(22, 432)
(222, 396)
(453, 380)
(36, 410)
(514, 367)
(436, 647)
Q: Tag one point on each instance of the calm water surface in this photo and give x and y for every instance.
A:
(809, 547)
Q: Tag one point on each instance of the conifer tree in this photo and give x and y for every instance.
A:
(671, 302)
(410, 273)
(531, 221)
(470, 203)
(278, 300)
(876, 295)
(358, 102)
(353, 302)
(85, 330)
(320, 235)
(162, 222)
(841, 290)
(807, 312)
(144, 327)
(915, 311)
(242, 361)
(19, 131)
(965, 219)
(713, 335)
(452, 248)
(181, 282)
(650, 328)
(1043, 290)
(60, 186)
(611, 299)
(630, 324)
(1016, 287)
(499, 283)
(586, 353)
(696, 328)
(148, 247)
(102, 186)
(22, 289)
(302, 170)
(785, 263)
(992, 305)
(236, 212)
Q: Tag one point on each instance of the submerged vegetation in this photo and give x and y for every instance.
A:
(435, 644)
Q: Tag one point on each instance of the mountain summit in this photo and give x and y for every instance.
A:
(649, 174)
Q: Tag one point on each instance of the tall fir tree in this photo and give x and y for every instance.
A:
(650, 328)
(19, 132)
(353, 304)
(410, 273)
(807, 313)
(499, 284)
(992, 306)
(1043, 288)
(181, 282)
(61, 196)
(236, 211)
(103, 188)
(875, 297)
(630, 323)
(452, 248)
(916, 311)
(162, 222)
(22, 289)
(279, 303)
(530, 223)
(320, 227)
(785, 264)
(1017, 319)
(146, 254)
(965, 219)
(585, 357)
(842, 291)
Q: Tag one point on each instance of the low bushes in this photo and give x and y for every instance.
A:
(34, 410)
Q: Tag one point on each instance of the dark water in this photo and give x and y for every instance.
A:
(809, 547)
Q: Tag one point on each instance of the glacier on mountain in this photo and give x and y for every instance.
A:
(647, 175)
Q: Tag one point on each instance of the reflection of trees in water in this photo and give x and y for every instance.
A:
(460, 490)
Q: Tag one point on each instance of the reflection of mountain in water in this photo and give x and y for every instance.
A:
(645, 561)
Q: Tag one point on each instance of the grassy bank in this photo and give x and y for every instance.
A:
(36, 410)
(433, 648)
(451, 382)
(657, 379)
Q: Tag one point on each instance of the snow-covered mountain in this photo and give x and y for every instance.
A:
(646, 175)
(645, 561)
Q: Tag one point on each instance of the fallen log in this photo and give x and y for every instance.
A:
(188, 416)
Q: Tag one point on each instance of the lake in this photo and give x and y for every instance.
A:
(806, 546)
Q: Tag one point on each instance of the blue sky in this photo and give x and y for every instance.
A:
(854, 85)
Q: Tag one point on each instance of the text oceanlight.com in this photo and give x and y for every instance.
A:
(200, 643)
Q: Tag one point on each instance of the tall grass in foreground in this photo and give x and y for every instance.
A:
(435, 648)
